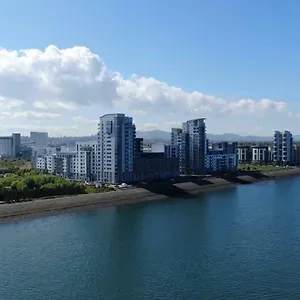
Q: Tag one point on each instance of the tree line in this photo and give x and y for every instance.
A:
(24, 185)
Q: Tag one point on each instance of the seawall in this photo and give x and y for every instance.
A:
(184, 187)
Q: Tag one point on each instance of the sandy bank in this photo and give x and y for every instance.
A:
(183, 187)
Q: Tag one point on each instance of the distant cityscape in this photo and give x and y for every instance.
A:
(117, 155)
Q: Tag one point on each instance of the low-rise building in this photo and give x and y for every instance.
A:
(217, 161)
(245, 154)
(225, 147)
(66, 164)
(260, 154)
(155, 166)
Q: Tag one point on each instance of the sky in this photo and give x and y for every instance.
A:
(63, 64)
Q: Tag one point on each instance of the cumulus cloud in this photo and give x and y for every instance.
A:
(65, 79)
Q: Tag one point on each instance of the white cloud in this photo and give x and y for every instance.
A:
(29, 115)
(9, 103)
(82, 120)
(53, 105)
(64, 77)
(54, 82)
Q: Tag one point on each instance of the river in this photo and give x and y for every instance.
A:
(238, 243)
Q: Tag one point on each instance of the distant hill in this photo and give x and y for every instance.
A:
(154, 135)
(165, 136)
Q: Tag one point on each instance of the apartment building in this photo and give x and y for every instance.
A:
(217, 161)
(176, 134)
(225, 147)
(86, 161)
(116, 135)
(193, 147)
(244, 154)
(172, 151)
(66, 164)
(283, 147)
(260, 154)
(221, 157)
(46, 163)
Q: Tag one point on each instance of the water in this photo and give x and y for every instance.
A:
(240, 243)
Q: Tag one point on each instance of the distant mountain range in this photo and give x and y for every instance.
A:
(161, 136)
(230, 137)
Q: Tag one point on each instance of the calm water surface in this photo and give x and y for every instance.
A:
(241, 243)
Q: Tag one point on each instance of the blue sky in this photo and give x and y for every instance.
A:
(230, 50)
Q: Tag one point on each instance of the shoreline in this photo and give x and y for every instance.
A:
(184, 187)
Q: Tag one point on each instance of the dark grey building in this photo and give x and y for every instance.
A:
(155, 166)
(193, 147)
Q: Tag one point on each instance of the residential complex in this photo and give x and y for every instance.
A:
(118, 156)
(281, 152)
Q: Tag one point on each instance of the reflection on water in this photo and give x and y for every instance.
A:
(239, 243)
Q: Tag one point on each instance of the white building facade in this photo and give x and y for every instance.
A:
(116, 134)
(86, 161)
(260, 154)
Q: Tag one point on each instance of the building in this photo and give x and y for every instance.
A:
(260, 154)
(86, 161)
(154, 147)
(296, 154)
(221, 157)
(176, 134)
(172, 151)
(225, 147)
(116, 137)
(283, 147)
(244, 154)
(45, 163)
(271, 153)
(16, 144)
(193, 147)
(138, 147)
(59, 163)
(155, 166)
(10, 146)
(40, 139)
(66, 164)
(218, 161)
